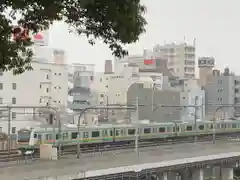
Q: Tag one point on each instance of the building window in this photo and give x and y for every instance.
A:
(101, 95)
(1, 85)
(14, 100)
(47, 76)
(13, 130)
(1, 100)
(14, 86)
(1, 73)
(14, 115)
(106, 86)
(47, 89)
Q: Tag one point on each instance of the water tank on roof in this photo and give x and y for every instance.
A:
(216, 72)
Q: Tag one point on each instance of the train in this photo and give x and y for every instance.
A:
(109, 134)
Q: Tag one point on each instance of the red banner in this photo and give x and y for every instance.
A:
(148, 61)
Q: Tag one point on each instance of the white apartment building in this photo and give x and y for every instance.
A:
(181, 58)
(46, 84)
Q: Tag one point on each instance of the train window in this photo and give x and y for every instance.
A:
(117, 132)
(201, 127)
(85, 134)
(189, 128)
(35, 136)
(74, 135)
(147, 130)
(162, 129)
(95, 134)
(210, 126)
(111, 132)
(131, 131)
(65, 136)
(218, 126)
(57, 136)
(234, 126)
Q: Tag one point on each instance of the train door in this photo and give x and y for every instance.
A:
(117, 134)
(112, 133)
(105, 136)
(39, 139)
(176, 129)
(85, 136)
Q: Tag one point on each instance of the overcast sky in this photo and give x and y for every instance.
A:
(214, 24)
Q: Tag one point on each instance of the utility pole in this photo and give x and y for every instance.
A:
(136, 130)
(153, 91)
(107, 113)
(9, 130)
(195, 118)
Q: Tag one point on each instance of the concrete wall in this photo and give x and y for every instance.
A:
(160, 97)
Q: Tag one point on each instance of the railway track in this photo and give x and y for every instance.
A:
(15, 155)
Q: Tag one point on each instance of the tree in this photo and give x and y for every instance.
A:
(116, 22)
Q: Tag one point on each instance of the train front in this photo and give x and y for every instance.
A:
(24, 139)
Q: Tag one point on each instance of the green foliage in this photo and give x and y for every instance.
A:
(116, 22)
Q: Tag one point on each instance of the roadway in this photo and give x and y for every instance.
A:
(72, 166)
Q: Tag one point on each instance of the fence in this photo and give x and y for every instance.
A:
(4, 145)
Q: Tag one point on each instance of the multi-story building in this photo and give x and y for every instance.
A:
(205, 65)
(222, 88)
(45, 85)
(152, 99)
(151, 85)
(81, 78)
(180, 57)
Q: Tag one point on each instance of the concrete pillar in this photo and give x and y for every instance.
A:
(197, 174)
(185, 175)
(227, 174)
(163, 176)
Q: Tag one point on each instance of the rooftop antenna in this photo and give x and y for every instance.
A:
(194, 42)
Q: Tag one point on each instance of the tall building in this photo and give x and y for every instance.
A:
(222, 88)
(205, 65)
(81, 77)
(180, 57)
(45, 85)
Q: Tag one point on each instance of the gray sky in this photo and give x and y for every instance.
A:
(214, 24)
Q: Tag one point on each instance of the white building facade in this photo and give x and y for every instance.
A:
(45, 85)
(181, 58)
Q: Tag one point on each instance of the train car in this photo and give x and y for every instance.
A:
(108, 134)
